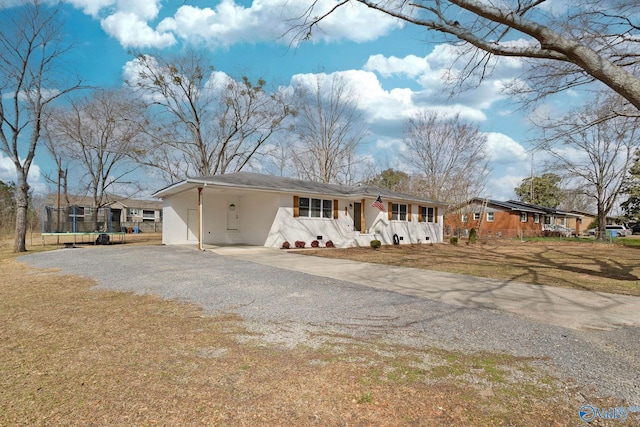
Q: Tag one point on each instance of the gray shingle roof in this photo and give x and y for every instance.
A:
(516, 205)
(256, 181)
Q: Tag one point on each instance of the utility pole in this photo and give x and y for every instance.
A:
(531, 195)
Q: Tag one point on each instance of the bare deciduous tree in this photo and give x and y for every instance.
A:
(593, 149)
(578, 42)
(330, 128)
(96, 137)
(449, 155)
(31, 47)
(203, 122)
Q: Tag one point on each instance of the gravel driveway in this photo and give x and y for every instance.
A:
(286, 305)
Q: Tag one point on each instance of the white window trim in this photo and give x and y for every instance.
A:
(490, 216)
(524, 217)
(399, 212)
(424, 214)
(310, 209)
(536, 218)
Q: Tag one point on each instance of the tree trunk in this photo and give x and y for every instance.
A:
(22, 207)
(602, 223)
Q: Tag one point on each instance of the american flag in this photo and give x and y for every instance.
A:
(378, 204)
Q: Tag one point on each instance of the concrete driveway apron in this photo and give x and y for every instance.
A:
(570, 308)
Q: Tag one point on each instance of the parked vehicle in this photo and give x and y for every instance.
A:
(562, 230)
(618, 230)
(635, 229)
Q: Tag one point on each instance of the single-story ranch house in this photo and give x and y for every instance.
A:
(494, 218)
(262, 210)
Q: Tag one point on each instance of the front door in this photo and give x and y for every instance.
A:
(232, 215)
(357, 216)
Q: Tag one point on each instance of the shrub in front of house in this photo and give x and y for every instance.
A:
(375, 244)
(473, 235)
(286, 245)
(453, 240)
(329, 244)
(300, 244)
(315, 244)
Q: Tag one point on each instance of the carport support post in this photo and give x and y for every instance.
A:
(200, 218)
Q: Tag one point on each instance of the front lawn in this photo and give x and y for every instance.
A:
(568, 262)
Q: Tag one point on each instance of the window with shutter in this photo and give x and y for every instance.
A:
(305, 207)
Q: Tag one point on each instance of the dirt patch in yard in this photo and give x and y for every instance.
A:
(572, 264)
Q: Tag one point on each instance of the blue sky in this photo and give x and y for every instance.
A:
(395, 70)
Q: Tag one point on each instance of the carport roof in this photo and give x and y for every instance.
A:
(260, 182)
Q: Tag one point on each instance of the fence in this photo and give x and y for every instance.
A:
(506, 233)
(144, 227)
(76, 219)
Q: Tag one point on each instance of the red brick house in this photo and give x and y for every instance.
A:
(493, 218)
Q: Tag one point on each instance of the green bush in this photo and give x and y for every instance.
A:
(375, 244)
(453, 240)
(473, 235)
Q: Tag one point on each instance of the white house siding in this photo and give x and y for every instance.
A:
(175, 210)
(408, 231)
(257, 213)
(286, 227)
(266, 219)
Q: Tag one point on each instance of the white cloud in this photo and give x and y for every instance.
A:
(144, 9)
(376, 102)
(272, 20)
(555, 7)
(35, 178)
(131, 31)
(391, 144)
(410, 65)
(7, 170)
(352, 21)
(229, 22)
(501, 188)
(92, 7)
(504, 150)
(440, 69)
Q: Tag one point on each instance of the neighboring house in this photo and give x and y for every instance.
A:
(493, 218)
(77, 214)
(589, 218)
(146, 215)
(556, 219)
(263, 210)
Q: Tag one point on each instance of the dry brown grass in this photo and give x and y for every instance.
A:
(70, 355)
(579, 265)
